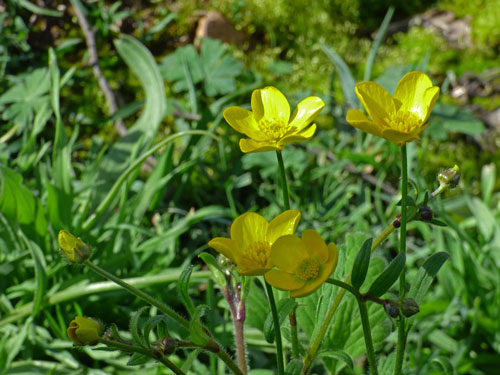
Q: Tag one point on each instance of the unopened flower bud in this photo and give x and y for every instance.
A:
(84, 331)
(409, 307)
(391, 309)
(168, 345)
(73, 248)
(425, 213)
(397, 221)
(449, 177)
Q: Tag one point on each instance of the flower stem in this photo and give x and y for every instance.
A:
(370, 351)
(400, 349)
(286, 205)
(284, 184)
(313, 350)
(137, 349)
(240, 344)
(164, 309)
(238, 311)
(277, 330)
(139, 293)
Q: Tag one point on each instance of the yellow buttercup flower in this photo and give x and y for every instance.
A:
(73, 248)
(84, 331)
(399, 118)
(251, 239)
(303, 263)
(269, 125)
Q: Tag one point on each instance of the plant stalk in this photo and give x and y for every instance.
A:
(292, 317)
(137, 349)
(400, 349)
(277, 330)
(138, 293)
(313, 350)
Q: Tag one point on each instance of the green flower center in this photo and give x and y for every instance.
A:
(308, 269)
(406, 122)
(256, 255)
(273, 128)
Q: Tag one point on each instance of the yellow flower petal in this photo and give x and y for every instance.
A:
(304, 135)
(431, 95)
(399, 138)
(270, 103)
(325, 271)
(283, 280)
(225, 246)
(287, 252)
(249, 145)
(253, 272)
(315, 244)
(411, 93)
(242, 121)
(249, 228)
(377, 102)
(359, 120)
(284, 223)
(306, 112)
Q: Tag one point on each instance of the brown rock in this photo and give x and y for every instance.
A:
(213, 24)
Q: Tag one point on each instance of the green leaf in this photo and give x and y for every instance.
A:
(388, 277)
(488, 177)
(150, 324)
(198, 334)
(445, 365)
(426, 274)
(438, 223)
(376, 43)
(347, 80)
(134, 328)
(361, 263)
(142, 133)
(485, 219)
(26, 97)
(188, 362)
(340, 355)
(138, 359)
(454, 119)
(257, 308)
(142, 63)
(212, 264)
(219, 67)
(294, 367)
(284, 307)
(39, 10)
(215, 67)
(183, 288)
(17, 203)
(40, 276)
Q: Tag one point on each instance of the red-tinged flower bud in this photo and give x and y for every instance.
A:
(391, 309)
(425, 213)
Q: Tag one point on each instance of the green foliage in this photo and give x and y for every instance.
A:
(214, 67)
(62, 167)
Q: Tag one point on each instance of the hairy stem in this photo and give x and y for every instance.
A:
(137, 349)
